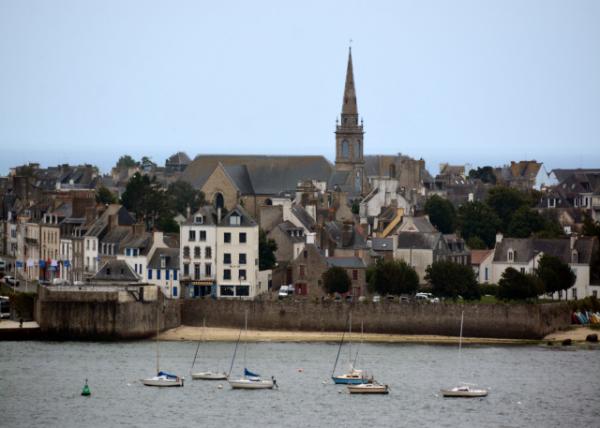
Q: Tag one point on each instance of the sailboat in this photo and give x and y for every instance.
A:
(249, 380)
(353, 376)
(208, 375)
(463, 390)
(162, 378)
(371, 386)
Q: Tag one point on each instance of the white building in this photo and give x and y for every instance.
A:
(198, 243)
(163, 270)
(524, 255)
(237, 255)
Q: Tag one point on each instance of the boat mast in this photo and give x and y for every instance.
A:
(198, 347)
(350, 341)
(337, 357)
(234, 352)
(245, 335)
(359, 343)
(462, 317)
(157, 348)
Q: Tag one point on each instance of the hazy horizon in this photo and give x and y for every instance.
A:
(464, 82)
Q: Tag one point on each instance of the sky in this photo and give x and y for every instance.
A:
(464, 81)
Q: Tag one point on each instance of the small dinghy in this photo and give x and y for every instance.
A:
(464, 391)
(209, 376)
(369, 388)
(163, 379)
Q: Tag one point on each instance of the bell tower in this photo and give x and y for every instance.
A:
(349, 134)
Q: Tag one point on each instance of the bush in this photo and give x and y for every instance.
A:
(491, 289)
(449, 279)
(393, 277)
(515, 285)
(336, 280)
(590, 303)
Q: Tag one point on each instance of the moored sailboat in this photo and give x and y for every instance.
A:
(353, 376)
(206, 375)
(464, 390)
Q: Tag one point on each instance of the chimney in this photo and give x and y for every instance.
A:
(219, 215)
(90, 214)
(499, 237)
(139, 229)
(188, 212)
(311, 238)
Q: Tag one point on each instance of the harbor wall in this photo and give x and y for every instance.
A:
(103, 315)
(514, 321)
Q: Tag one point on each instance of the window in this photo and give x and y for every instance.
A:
(305, 254)
(242, 275)
(87, 244)
(302, 271)
(94, 245)
(510, 256)
(242, 290)
(235, 220)
(574, 293)
(208, 269)
(199, 219)
(167, 274)
(207, 253)
(486, 274)
(157, 273)
(522, 270)
(174, 291)
(242, 237)
(186, 252)
(149, 273)
(595, 294)
(197, 252)
(203, 235)
(226, 274)
(354, 274)
(345, 149)
(196, 270)
(227, 237)
(227, 258)
(192, 235)
(175, 275)
(242, 259)
(226, 290)
(186, 269)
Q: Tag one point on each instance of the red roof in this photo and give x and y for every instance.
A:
(478, 256)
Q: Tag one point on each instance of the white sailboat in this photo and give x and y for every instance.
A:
(464, 390)
(206, 375)
(249, 380)
(162, 378)
(353, 376)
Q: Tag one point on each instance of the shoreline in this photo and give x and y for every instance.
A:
(221, 334)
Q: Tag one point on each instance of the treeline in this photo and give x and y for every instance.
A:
(507, 210)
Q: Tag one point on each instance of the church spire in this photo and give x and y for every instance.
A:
(349, 104)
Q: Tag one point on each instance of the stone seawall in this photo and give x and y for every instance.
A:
(102, 315)
(514, 321)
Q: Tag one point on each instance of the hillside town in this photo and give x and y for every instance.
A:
(249, 227)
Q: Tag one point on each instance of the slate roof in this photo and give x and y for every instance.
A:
(209, 214)
(172, 258)
(334, 230)
(143, 242)
(301, 214)
(266, 175)
(346, 262)
(239, 175)
(383, 244)
(101, 223)
(340, 180)
(526, 248)
(116, 270)
(419, 240)
(246, 221)
(179, 158)
(117, 234)
(563, 174)
(287, 226)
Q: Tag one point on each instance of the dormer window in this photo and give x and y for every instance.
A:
(235, 220)
(163, 262)
(199, 219)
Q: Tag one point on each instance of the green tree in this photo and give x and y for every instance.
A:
(393, 277)
(477, 219)
(590, 227)
(515, 285)
(441, 213)
(554, 274)
(105, 196)
(505, 201)
(266, 251)
(485, 174)
(126, 161)
(336, 280)
(449, 279)
(525, 222)
(149, 202)
(476, 243)
(183, 195)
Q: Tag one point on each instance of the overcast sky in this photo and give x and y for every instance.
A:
(462, 81)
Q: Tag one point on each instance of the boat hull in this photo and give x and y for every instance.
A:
(464, 393)
(251, 384)
(209, 376)
(163, 382)
(341, 380)
(368, 388)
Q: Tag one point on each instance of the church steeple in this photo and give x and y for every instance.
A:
(349, 107)
(349, 134)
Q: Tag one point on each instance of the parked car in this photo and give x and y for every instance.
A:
(426, 297)
(285, 291)
(11, 280)
(404, 299)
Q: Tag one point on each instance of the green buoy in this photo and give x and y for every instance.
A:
(86, 390)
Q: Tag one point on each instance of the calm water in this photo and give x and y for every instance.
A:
(40, 384)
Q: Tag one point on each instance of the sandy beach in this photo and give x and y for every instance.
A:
(231, 335)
